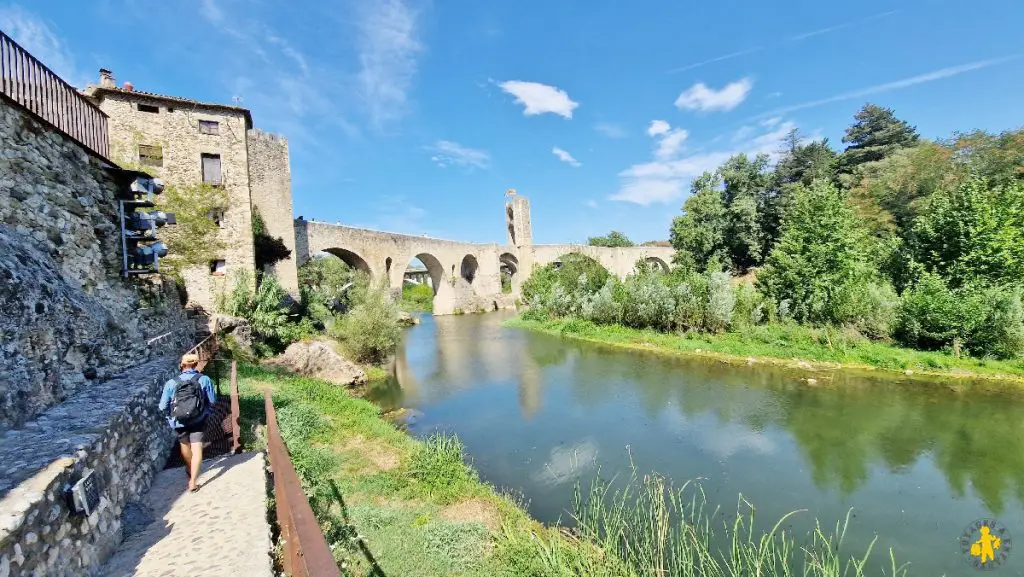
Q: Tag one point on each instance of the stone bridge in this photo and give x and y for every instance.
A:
(466, 277)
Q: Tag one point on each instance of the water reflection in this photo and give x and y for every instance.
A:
(537, 413)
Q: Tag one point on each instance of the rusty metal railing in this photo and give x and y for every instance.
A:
(28, 82)
(206, 350)
(306, 553)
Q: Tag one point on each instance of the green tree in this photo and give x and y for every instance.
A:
(973, 233)
(875, 134)
(821, 260)
(698, 235)
(613, 239)
(269, 250)
(745, 181)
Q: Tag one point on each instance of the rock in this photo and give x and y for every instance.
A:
(319, 359)
(407, 320)
(237, 327)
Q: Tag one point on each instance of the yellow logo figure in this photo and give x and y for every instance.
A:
(986, 544)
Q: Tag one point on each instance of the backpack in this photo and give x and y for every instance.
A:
(189, 403)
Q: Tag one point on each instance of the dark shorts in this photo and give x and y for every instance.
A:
(191, 433)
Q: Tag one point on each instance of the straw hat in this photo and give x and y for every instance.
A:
(189, 359)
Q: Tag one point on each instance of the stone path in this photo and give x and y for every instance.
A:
(220, 530)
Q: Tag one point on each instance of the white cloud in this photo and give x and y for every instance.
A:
(591, 203)
(657, 127)
(610, 129)
(567, 463)
(671, 143)
(742, 133)
(769, 122)
(538, 98)
(35, 35)
(667, 178)
(447, 153)
(388, 45)
(729, 56)
(700, 97)
(897, 84)
(565, 157)
(210, 11)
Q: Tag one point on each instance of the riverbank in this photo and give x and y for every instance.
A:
(394, 505)
(792, 346)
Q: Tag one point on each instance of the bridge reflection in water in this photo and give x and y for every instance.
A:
(915, 460)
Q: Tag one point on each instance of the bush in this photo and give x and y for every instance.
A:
(370, 330)
(981, 321)
(601, 307)
(721, 302)
(418, 298)
(749, 309)
(268, 311)
(690, 294)
(646, 302)
(872, 309)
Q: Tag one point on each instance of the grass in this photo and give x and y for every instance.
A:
(787, 344)
(417, 298)
(393, 505)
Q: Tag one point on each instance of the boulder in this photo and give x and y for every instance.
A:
(319, 359)
(407, 320)
(237, 327)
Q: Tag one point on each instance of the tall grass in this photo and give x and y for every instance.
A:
(649, 527)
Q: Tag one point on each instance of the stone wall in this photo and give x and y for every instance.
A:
(113, 429)
(175, 129)
(67, 318)
(270, 183)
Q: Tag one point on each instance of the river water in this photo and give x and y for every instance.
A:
(916, 461)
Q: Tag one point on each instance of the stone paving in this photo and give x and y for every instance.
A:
(220, 530)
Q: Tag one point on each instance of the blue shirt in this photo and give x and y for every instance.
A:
(172, 385)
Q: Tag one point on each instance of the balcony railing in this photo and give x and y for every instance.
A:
(28, 82)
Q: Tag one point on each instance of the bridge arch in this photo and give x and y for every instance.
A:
(657, 262)
(508, 264)
(434, 268)
(350, 258)
(468, 268)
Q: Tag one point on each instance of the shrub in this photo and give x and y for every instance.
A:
(721, 302)
(646, 302)
(872, 309)
(749, 309)
(370, 330)
(983, 321)
(417, 298)
(601, 306)
(690, 294)
(267, 309)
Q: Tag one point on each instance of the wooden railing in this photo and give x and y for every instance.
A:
(29, 83)
(306, 553)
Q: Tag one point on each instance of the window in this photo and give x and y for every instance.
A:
(211, 169)
(150, 155)
(209, 127)
(149, 108)
(217, 216)
(217, 267)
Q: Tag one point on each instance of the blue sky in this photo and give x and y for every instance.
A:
(415, 116)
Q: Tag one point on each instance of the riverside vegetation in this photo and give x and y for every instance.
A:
(390, 504)
(898, 253)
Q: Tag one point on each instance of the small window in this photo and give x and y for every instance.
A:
(211, 169)
(217, 216)
(217, 267)
(149, 108)
(150, 155)
(169, 110)
(209, 127)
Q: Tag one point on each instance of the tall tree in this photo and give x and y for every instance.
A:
(745, 180)
(973, 234)
(698, 235)
(801, 163)
(875, 134)
(821, 260)
(613, 239)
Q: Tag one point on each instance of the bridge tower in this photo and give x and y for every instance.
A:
(517, 219)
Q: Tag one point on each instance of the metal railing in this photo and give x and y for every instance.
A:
(306, 552)
(28, 82)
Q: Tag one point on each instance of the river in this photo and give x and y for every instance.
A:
(916, 461)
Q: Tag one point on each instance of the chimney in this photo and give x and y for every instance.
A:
(129, 87)
(106, 79)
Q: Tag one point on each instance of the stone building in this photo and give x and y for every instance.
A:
(188, 143)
